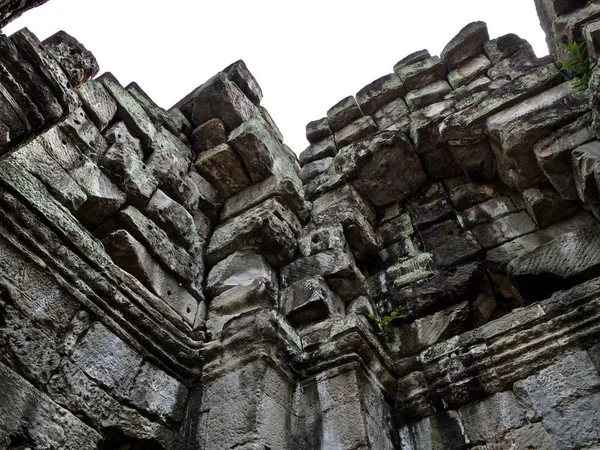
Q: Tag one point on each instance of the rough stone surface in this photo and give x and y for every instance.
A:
(528, 122)
(343, 113)
(382, 184)
(78, 62)
(467, 44)
(224, 169)
(165, 284)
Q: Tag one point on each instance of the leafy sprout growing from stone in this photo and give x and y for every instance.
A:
(385, 322)
(580, 65)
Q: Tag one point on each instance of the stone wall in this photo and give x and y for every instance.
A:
(181, 280)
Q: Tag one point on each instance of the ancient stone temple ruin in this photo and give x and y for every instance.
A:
(423, 277)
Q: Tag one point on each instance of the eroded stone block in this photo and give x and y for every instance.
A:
(223, 169)
(256, 229)
(379, 93)
(343, 113)
(208, 135)
(240, 75)
(106, 358)
(221, 98)
(97, 103)
(309, 301)
(553, 154)
(419, 74)
(467, 44)
(239, 269)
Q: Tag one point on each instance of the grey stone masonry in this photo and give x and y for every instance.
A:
(425, 275)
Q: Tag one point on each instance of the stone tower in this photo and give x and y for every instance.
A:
(423, 277)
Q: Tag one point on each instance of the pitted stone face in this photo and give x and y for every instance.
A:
(423, 276)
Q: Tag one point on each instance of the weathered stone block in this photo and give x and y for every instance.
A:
(379, 93)
(208, 135)
(456, 250)
(409, 271)
(48, 425)
(146, 231)
(239, 269)
(240, 75)
(84, 134)
(419, 74)
(438, 234)
(487, 419)
(77, 61)
(173, 218)
(36, 160)
(569, 259)
(223, 169)
(309, 301)
(319, 150)
(530, 436)
(439, 291)
(280, 187)
(466, 126)
(103, 197)
(565, 397)
(431, 213)
(503, 47)
(346, 207)
(238, 300)
(129, 173)
(411, 339)
(553, 154)
(586, 159)
(30, 46)
(497, 260)
(119, 134)
(256, 229)
(426, 123)
(257, 147)
(503, 230)
(336, 266)
(157, 114)
(523, 61)
(221, 98)
(428, 95)
(477, 160)
(315, 168)
(158, 393)
(106, 358)
(414, 57)
(488, 211)
(132, 256)
(400, 177)
(469, 194)
(439, 163)
(130, 111)
(546, 206)
(394, 116)
(528, 122)
(443, 431)
(318, 130)
(467, 44)
(97, 103)
(343, 113)
(355, 131)
(209, 199)
(316, 240)
(469, 71)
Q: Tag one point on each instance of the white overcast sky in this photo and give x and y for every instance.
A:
(306, 55)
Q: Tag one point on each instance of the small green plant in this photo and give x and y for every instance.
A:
(580, 65)
(385, 322)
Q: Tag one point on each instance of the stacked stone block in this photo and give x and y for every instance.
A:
(180, 280)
